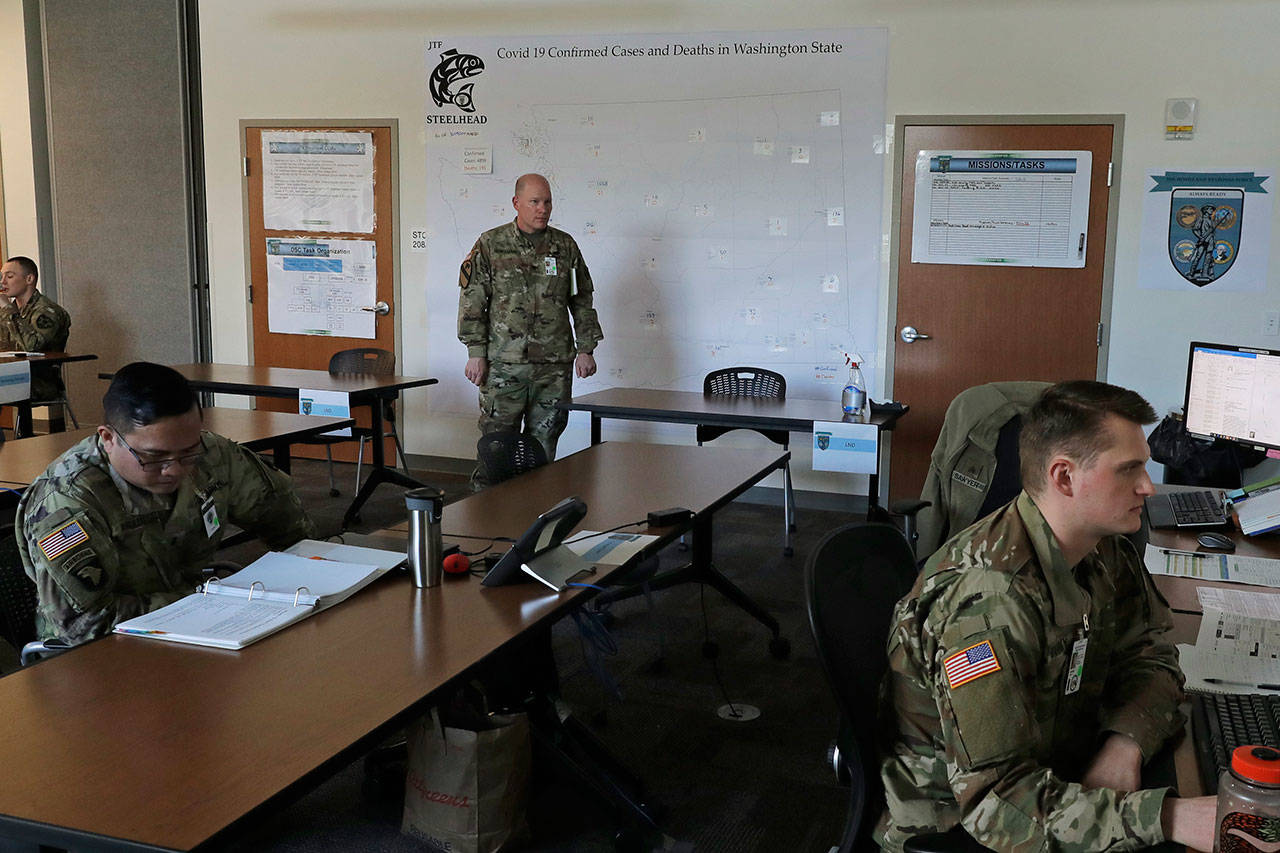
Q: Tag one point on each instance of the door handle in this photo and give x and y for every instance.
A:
(909, 334)
(382, 309)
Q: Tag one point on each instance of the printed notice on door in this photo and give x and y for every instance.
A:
(317, 181)
(319, 287)
(1021, 209)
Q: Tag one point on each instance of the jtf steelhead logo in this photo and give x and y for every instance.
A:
(824, 440)
(453, 67)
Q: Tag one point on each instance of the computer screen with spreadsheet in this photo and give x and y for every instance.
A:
(1233, 392)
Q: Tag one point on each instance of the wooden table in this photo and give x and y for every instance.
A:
(1183, 601)
(365, 389)
(693, 407)
(132, 744)
(24, 459)
(22, 425)
(622, 482)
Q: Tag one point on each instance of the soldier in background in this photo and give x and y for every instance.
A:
(125, 521)
(519, 285)
(32, 322)
(1030, 670)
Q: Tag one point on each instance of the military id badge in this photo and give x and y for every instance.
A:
(549, 265)
(209, 512)
(1075, 670)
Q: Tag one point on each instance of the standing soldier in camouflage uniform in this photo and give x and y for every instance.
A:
(1030, 670)
(32, 322)
(125, 521)
(519, 285)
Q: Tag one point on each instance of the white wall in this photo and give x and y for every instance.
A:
(293, 59)
(15, 136)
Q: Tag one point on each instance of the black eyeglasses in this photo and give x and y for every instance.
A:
(150, 465)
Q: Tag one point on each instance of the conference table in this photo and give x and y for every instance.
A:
(127, 743)
(24, 459)
(364, 389)
(622, 482)
(754, 413)
(23, 424)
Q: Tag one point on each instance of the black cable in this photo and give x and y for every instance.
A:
(587, 536)
(706, 636)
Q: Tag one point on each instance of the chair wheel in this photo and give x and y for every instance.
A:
(711, 650)
(788, 551)
(333, 493)
(780, 648)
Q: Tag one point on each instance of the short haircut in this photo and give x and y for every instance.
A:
(531, 176)
(142, 393)
(1070, 418)
(25, 264)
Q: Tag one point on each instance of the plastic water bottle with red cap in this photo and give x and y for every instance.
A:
(853, 400)
(1249, 802)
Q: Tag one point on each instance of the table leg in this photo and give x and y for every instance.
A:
(281, 456)
(379, 472)
(701, 570)
(595, 429)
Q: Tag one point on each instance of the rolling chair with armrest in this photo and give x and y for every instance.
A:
(856, 575)
(755, 382)
(365, 360)
(973, 469)
(18, 605)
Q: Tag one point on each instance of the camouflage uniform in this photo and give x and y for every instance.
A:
(1002, 750)
(963, 462)
(42, 326)
(513, 309)
(119, 551)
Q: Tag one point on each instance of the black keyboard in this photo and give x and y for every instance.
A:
(1222, 721)
(1195, 509)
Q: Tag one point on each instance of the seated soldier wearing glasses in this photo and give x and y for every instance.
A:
(126, 521)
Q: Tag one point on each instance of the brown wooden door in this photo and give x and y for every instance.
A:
(990, 323)
(313, 351)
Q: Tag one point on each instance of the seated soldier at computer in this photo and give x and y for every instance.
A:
(1030, 669)
(125, 521)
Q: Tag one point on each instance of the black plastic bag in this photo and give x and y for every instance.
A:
(1197, 461)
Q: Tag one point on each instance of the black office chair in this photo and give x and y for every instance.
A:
(18, 604)
(946, 504)
(364, 360)
(856, 575)
(755, 382)
(506, 454)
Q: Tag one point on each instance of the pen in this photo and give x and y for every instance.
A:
(1241, 683)
(1179, 551)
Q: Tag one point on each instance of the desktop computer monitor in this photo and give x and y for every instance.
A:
(1233, 392)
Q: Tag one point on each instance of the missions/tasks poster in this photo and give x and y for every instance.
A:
(1021, 209)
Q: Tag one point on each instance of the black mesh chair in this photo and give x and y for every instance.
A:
(505, 454)
(856, 575)
(755, 382)
(18, 604)
(364, 360)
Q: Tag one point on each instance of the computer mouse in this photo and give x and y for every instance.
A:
(1216, 541)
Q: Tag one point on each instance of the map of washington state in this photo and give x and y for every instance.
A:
(715, 229)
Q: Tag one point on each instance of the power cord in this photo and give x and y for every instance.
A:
(712, 651)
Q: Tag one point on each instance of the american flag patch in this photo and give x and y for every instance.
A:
(63, 539)
(973, 662)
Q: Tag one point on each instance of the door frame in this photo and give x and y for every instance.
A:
(1113, 202)
(393, 125)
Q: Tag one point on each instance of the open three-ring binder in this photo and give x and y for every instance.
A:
(271, 593)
